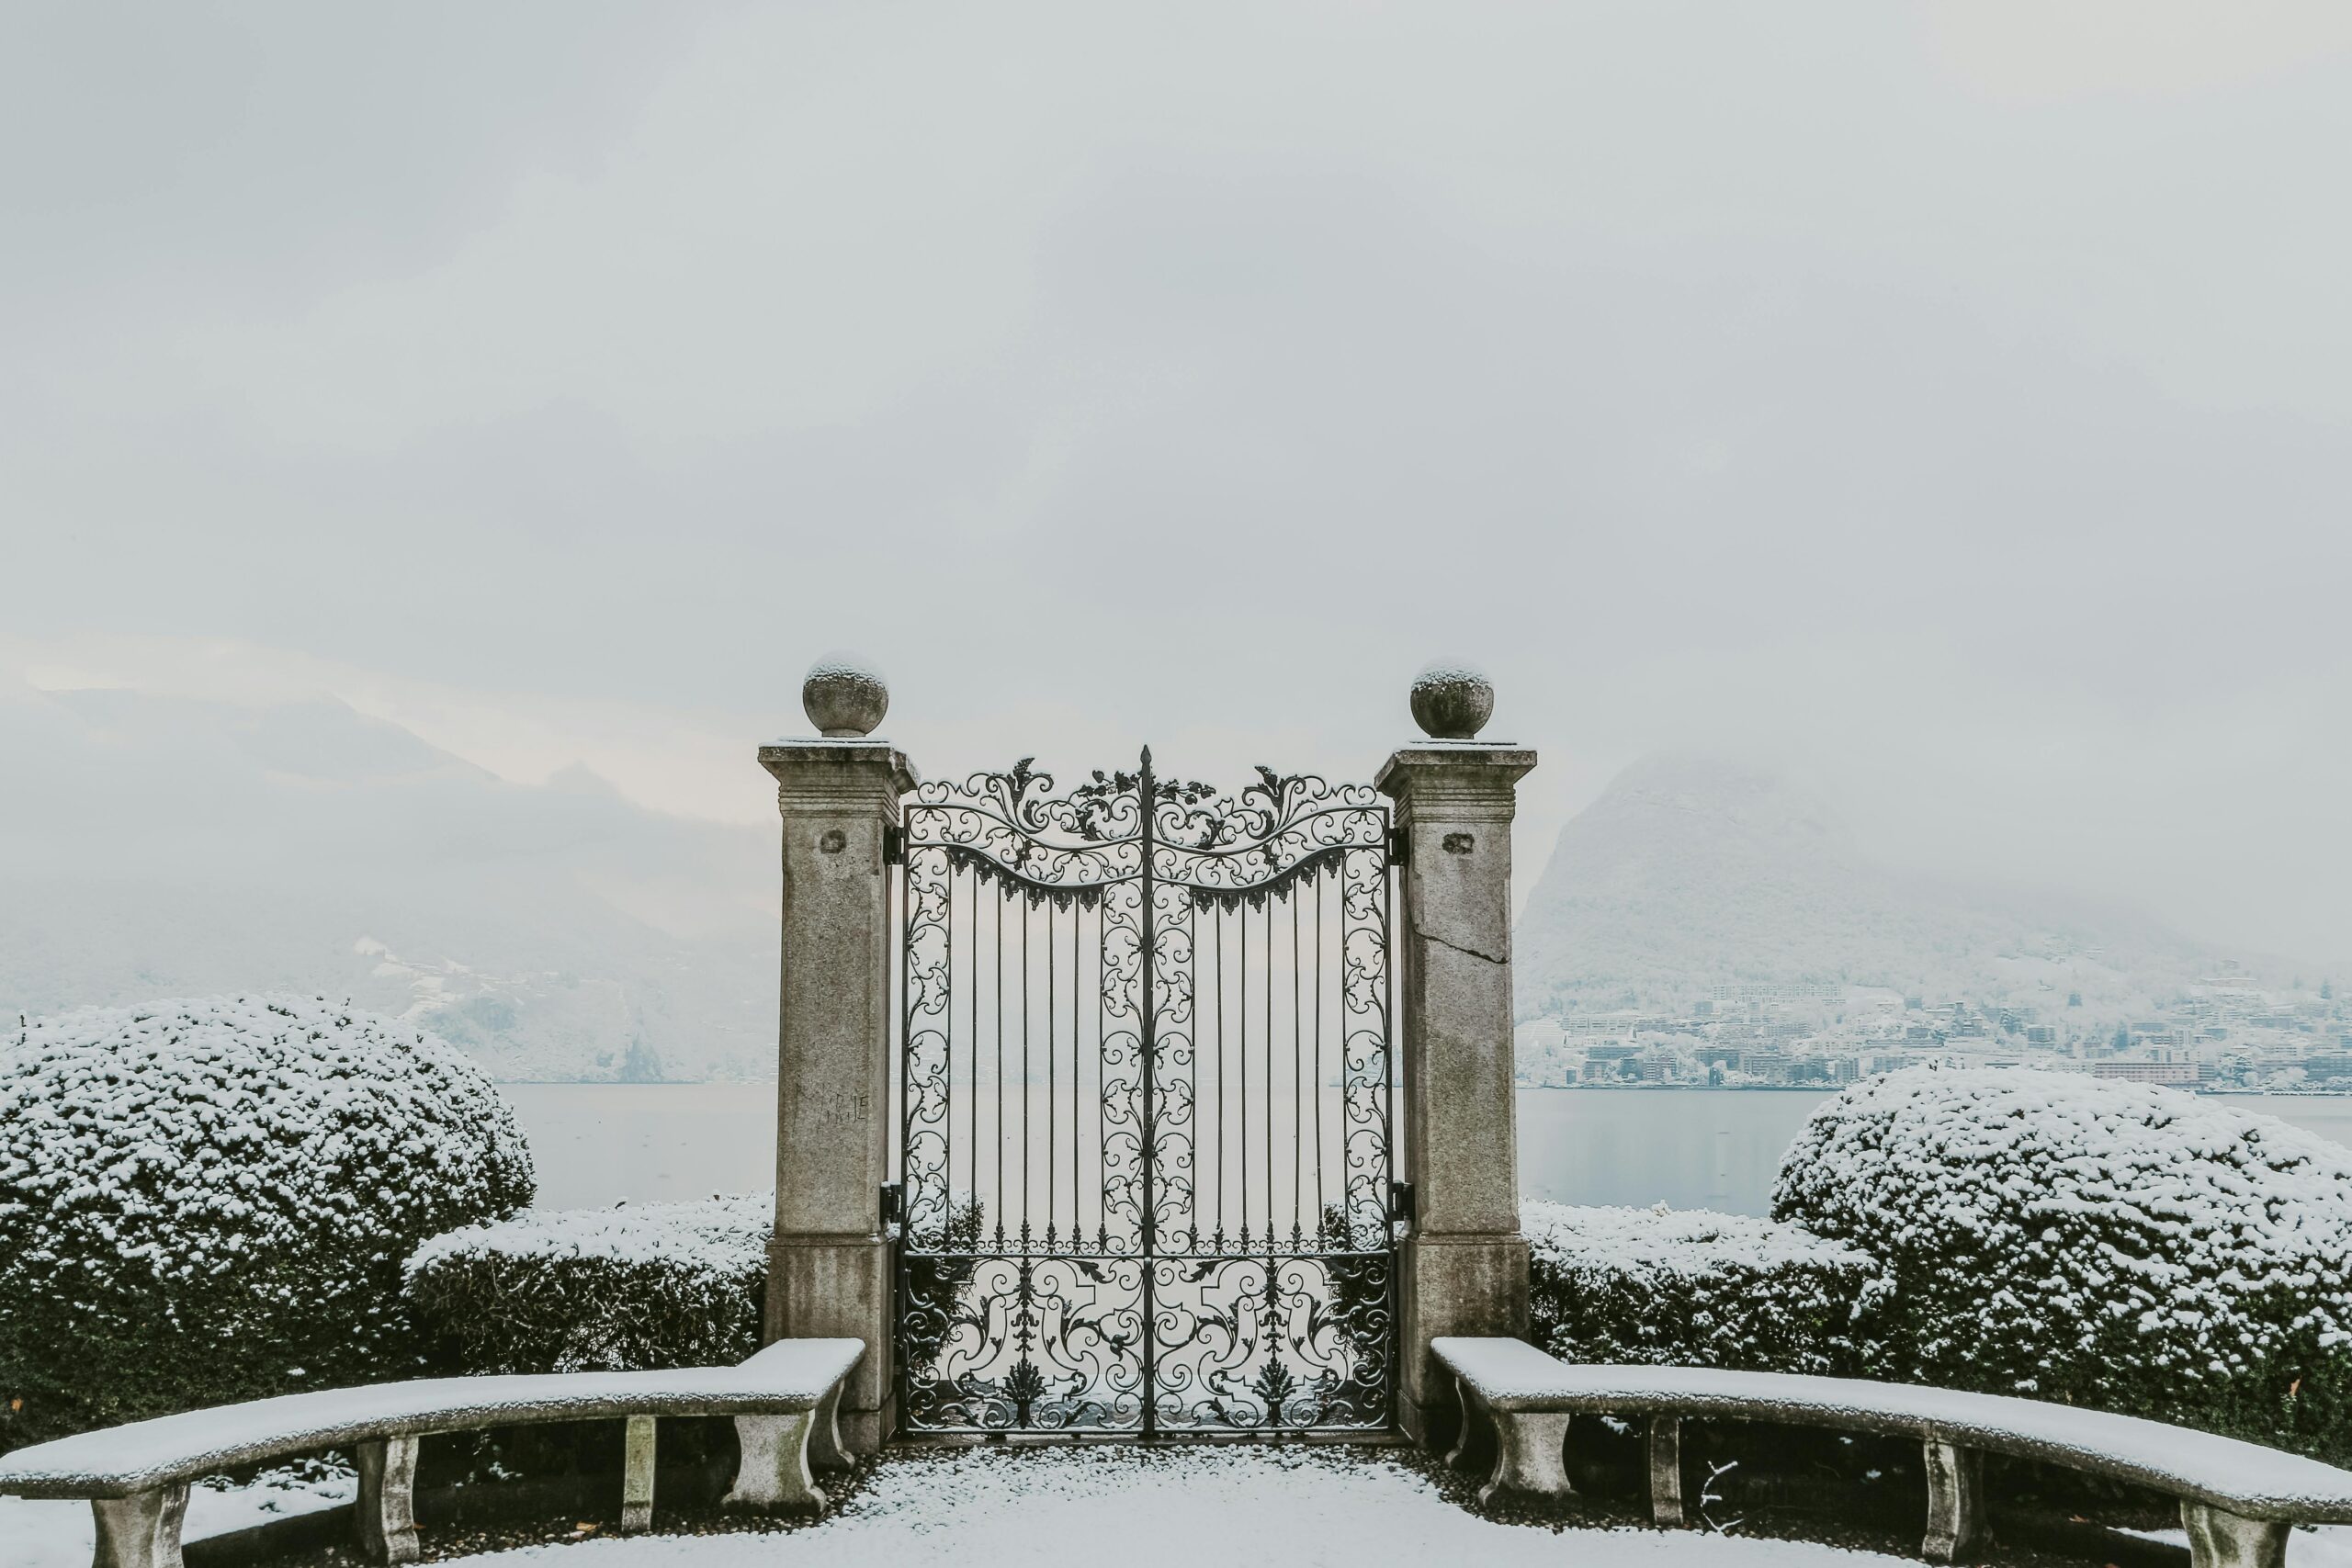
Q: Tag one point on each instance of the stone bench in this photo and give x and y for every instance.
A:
(2238, 1500)
(783, 1401)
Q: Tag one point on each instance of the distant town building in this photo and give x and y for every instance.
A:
(1787, 991)
(2180, 1075)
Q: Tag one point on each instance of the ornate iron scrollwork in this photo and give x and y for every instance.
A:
(1100, 1096)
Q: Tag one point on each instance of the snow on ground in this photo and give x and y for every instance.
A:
(1136, 1509)
(2322, 1546)
(42, 1533)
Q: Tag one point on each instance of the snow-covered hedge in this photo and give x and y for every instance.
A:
(2103, 1244)
(208, 1201)
(1693, 1287)
(598, 1290)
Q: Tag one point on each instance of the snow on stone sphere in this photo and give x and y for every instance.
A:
(211, 1200)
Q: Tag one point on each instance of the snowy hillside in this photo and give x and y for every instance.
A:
(154, 847)
(1688, 873)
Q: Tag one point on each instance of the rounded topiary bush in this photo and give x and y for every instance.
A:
(210, 1201)
(598, 1290)
(1688, 1287)
(2118, 1246)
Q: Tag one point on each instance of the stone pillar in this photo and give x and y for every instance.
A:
(829, 1262)
(1463, 1265)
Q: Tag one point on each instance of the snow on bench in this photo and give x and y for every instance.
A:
(784, 1400)
(2238, 1500)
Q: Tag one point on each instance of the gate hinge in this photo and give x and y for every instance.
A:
(1400, 1202)
(894, 844)
(1396, 843)
(891, 1203)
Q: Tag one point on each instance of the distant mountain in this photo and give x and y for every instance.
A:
(153, 847)
(1690, 871)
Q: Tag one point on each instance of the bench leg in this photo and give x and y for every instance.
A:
(1666, 1471)
(142, 1530)
(1529, 1454)
(1955, 1502)
(825, 1450)
(385, 1513)
(636, 1476)
(773, 1476)
(1474, 1437)
(2217, 1539)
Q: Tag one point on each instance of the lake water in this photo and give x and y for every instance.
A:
(598, 1143)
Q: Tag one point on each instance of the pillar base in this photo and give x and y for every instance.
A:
(832, 1286)
(1452, 1284)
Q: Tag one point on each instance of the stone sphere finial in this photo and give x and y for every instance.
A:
(844, 696)
(1453, 699)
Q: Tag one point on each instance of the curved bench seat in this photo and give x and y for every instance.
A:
(136, 1475)
(2237, 1498)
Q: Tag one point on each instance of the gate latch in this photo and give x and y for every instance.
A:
(1400, 1202)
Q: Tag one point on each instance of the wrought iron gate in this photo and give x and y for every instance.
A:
(1145, 1156)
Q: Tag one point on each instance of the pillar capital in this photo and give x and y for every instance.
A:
(829, 775)
(1446, 777)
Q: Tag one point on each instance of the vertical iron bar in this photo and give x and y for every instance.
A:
(1297, 1017)
(1101, 1110)
(1319, 978)
(1053, 1084)
(972, 1101)
(1000, 1069)
(1151, 1045)
(1028, 912)
(1094, 1106)
(1241, 1143)
(1189, 1149)
(947, 1061)
(1220, 1077)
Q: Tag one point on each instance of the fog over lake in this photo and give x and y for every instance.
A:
(601, 1143)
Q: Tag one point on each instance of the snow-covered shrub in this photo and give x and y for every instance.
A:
(208, 1201)
(1688, 1287)
(598, 1290)
(2102, 1244)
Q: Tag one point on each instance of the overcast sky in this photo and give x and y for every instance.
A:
(1948, 404)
